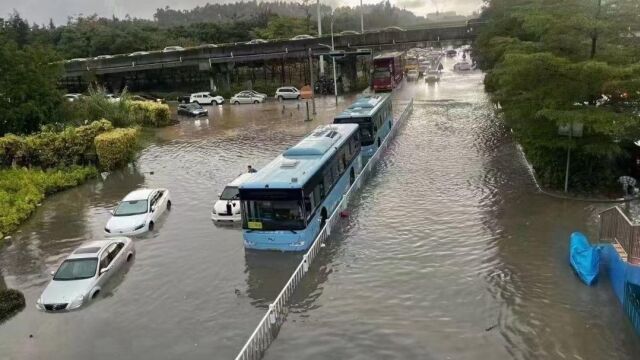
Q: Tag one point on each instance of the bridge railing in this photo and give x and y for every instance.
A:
(615, 226)
(269, 326)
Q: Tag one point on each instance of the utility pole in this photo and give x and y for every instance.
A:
(594, 35)
(335, 79)
(313, 95)
(320, 35)
(361, 18)
(566, 175)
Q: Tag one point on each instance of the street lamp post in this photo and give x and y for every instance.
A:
(361, 18)
(335, 79)
(320, 35)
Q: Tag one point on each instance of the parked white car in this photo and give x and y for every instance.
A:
(112, 98)
(287, 92)
(138, 212)
(254, 93)
(245, 98)
(101, 57)
(84, 273)
(462, 66)
(73, 97)
(302, 37)
(205, 98)
(412, 75)
(227, 208)
(139, 53)
(172, 49)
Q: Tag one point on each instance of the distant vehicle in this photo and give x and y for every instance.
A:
(393, 29)
(227, 208)
(73, 97)
(374, 115)
(256, 41)
(112, 98)
(288, 202)
(205, 98)
(302, 37)
(245, 98)
(184, 99)
(75, 60)
(208, 46)
(462, 66)
(83, 274)
(254, 93)
(432, 76)
(147, 97)
(287, 92)
(172, 48)
(412, 75)
(139, 53)
(101, 57)
(192, 110)
(451, 53)
(349, 32)
(138, 212)
(387, 71)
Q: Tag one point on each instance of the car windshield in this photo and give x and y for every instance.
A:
(229, 193)
(132, 207)
(76, 269)
(193, 106)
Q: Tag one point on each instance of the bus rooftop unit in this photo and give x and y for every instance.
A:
(287, 202)
(374, 114)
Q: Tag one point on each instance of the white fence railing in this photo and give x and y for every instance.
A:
(270, 324)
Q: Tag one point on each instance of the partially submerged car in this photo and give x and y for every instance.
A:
(84, 273)
(227, 208)
(138, 212)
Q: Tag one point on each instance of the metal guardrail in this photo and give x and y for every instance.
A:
(269, 326)
(616, 226)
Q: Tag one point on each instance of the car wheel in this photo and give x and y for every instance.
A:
(129, 257)
(169, 205)
(280, 98)
(151, 226)
(95, 294)
(255, 101)
(298, 97)
(236, 102)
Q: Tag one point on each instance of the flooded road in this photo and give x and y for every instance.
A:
(448, 251)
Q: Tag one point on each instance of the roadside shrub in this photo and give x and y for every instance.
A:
(21, 190)
(50, 149)
(11, 302)
(147, 113)
(116, 147)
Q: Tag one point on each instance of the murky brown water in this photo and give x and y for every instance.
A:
(448, 253)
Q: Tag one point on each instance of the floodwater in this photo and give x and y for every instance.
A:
(448, 252)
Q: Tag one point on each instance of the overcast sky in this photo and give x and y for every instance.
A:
(41, 11)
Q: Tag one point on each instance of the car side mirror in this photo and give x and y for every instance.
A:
(153, 208)
(52, 272)
(111, 212)
(219, 194)
(104, 270)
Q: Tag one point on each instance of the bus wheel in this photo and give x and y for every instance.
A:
(323, 217)
(352, 177)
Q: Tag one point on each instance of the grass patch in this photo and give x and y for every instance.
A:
(21, 190)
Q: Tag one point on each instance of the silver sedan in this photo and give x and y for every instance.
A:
(84, 273)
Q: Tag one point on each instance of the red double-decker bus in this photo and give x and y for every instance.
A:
(388, 71)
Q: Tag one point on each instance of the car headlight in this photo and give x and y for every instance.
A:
(106, 229)
(77, 302)
(139, 227)
(39, 305)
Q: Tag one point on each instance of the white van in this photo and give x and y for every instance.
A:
(227, 208)
(205, 98)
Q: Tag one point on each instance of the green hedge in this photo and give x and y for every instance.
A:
(147, 113)
(11, 302)
(116, 147)
(21, 190)
(50, 149)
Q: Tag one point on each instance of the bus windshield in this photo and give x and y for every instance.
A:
(273, 210)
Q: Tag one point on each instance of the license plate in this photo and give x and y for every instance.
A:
(257, 225)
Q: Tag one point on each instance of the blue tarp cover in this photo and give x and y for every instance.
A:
(584, 258)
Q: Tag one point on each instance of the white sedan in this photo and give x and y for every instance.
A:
(84, 273)
(245, 98)
(138, 212)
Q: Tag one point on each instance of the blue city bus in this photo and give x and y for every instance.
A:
(374, 114)
(287, 202)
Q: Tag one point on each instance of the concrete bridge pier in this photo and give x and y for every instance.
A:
(348, 69)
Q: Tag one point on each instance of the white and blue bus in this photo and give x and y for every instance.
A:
(374, 114)
(286, 203)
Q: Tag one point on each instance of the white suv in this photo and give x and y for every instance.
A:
(205, 98)
(227, 208)
(287, 92)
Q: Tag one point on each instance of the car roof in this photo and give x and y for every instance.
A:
(140, 194)
(201, 93)
(92, 248)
